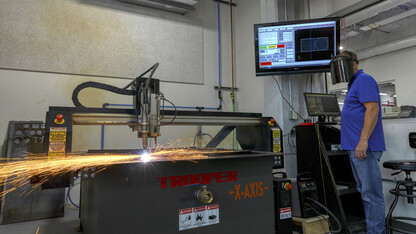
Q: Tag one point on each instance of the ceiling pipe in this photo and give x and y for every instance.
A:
(372, 11)
(387, 47)
(389, 20)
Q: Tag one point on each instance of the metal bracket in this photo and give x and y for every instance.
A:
(221, 135)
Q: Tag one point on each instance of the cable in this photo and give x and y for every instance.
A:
(329, 212)
(146, 87)
(114, 89)
(317, 212)
(91, 84)
(176, 112)
(281, 93)
(201, 134)
(69, 195)
(141, 75)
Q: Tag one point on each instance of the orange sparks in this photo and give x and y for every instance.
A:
(17, 173)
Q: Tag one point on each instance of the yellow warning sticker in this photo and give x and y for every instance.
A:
(277, 148)
(57, 134)
(276, 133)
(57, 141)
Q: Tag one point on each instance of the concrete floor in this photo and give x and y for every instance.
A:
(64, 225)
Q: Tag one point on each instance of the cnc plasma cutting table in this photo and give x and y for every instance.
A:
(226, 192)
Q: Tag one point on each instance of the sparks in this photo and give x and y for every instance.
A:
(16, 173)
(145, 157)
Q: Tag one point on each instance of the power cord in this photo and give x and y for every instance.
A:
(281, 93)
(329, 212)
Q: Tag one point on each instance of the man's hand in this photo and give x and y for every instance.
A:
(361, 150)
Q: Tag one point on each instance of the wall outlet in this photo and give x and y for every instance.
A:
(293, 115)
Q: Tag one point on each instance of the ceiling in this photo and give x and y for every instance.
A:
(382, 22)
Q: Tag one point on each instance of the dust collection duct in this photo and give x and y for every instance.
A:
(177, 6)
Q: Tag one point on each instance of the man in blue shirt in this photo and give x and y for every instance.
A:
(362, 136)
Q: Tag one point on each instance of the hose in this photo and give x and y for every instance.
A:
(96, 85)
(69, 195)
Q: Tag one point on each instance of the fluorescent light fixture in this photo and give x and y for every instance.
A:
(341, 48)
(394, 95)
(393, 82)
(344, 90)
(383, 94)
(340, 103)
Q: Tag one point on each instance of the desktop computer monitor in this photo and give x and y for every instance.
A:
(322, 104)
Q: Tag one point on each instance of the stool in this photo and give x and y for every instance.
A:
(408, 187)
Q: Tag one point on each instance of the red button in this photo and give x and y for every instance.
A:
(288, 186)
(59, 118)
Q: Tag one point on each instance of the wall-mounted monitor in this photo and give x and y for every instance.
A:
(303, 46)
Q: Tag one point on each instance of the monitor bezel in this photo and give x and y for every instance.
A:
(328, 94)
(293, 69)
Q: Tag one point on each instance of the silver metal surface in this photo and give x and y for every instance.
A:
(127, 119)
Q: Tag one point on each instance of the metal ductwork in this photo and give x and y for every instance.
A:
(177, 6)
(372, 11)
(387, 47)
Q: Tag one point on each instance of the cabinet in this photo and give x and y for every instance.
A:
(331, 169)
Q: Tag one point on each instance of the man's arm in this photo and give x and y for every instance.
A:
(370, 121)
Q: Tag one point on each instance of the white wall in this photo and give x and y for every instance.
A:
(398, 66)
(27, 95)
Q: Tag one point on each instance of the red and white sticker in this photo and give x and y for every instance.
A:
(286, 213)
(198, 216)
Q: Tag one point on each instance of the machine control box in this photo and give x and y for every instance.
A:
(303, 188)
(282, 205)
(307, 185)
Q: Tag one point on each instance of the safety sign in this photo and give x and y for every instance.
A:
(198, 216)
(57, 141)
(286, 213)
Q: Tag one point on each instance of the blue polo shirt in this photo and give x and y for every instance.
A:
(363, 89)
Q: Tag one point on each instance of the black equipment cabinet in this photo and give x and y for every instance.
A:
(282, 205)
(331, 169)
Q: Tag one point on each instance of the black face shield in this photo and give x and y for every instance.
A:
(342, 68)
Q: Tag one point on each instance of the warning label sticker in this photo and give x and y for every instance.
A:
(57, 134)
(286, 213)
(57, 141)
(276, 133)
(198, 216)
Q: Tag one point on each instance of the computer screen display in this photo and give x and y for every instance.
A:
(296, 47)
(322, 104)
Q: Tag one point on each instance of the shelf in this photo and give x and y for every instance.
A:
(347, 191)
(346, 188)
(334, 153)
